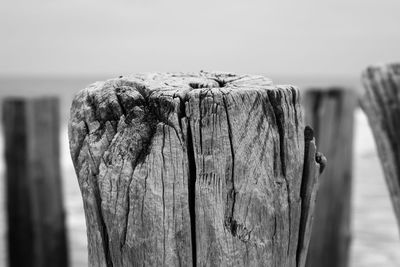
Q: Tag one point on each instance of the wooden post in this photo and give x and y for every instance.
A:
(36, 230)
(381, 103)
(200, 169)
(330, 113)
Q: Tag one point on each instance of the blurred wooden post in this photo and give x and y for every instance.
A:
(36, 227)
(329, 111)
(200, 169)
(381, 103)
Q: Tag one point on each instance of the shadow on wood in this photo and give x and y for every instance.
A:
(330, 112)
(36, 227)
(207, 169)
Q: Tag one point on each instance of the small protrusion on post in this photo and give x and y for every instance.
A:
(321, 160)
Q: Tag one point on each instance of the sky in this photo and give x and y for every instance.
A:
(85, 37)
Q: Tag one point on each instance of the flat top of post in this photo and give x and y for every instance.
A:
(180, 83)
(198, 80)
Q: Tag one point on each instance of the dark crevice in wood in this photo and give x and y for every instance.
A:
(144, 196)
(192, 191)
(196, 85)
(295, 100)
(192, 174)
(181, 111)
(101, 220)
(128, 205)
(140, 88)
(230, 223)
(221, 83)
(308, 136)
(103, 115)
(103, 227)
(200, 123)
(304, 193)
(200, 85)
(76, 153)
(119, 100)
(275, 98)
(163, 190)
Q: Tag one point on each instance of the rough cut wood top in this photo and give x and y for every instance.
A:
(207, 169)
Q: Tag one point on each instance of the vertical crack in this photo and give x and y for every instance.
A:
(275, 99)
(305, 181)
(230, 223)
(103, 227)
(163, 191)
(192, 175)
(192, 191)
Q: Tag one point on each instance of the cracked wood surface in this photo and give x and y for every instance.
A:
(381, 103)
(329, 111)
(207, 169)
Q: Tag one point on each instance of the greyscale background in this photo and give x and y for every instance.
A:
(272, 37)
(59, 47)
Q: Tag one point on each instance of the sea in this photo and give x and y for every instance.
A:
(375, 236)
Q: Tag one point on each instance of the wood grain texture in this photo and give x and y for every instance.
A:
(381, 103)
(204, 169)
(330, 112)
(35, 212)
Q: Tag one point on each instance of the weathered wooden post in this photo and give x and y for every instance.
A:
(200, 169)
(36, 230)
(381, 103)
(330, 112)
